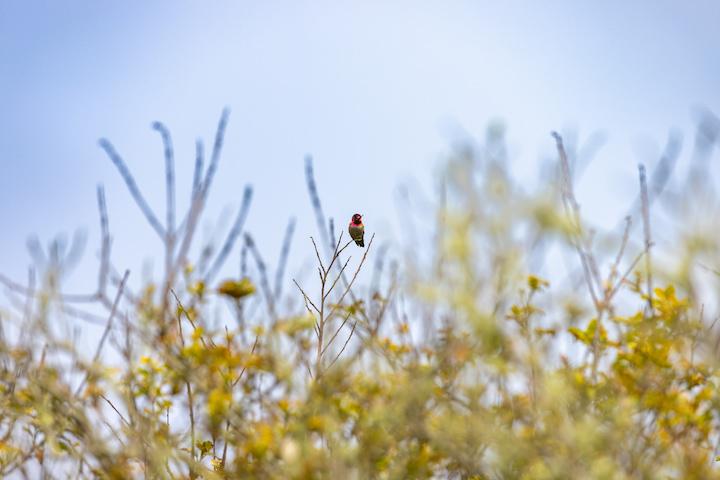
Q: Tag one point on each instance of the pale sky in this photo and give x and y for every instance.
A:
(375, 91)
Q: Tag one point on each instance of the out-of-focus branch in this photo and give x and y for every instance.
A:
(104, 270)
(645, 209)
(262, 270)
(217, 149)
(317, 206)
(106, 332)
(232, 235)
(572, 205)
(132, 187)
(169, 175)
(283, 259)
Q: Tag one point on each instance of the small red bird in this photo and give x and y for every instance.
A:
(356, 229)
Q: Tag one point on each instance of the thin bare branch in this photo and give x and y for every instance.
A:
(27, 314)
(332, 339)
(645, 208)
(132, 187)
(317, 253)
(284, 255)
(621, 250)
(305, 295)
(331, 230)
(188, 317)
(116, 410)
(196, 185)
(627, 273)
(198, 171)
(192, 219)
(337, 252)
(574, 207)
(344, 346)
(565, 169)
(262, 269)
(217, 149)
(354, 277)
(169, 176)
(104, 270)
(232, 235)
(108, 328)
(315, 200)
(243, 261)
(340, 274)
(242, 372)
(662, 172)
(105, 334)
(83, 315)
(14, 286)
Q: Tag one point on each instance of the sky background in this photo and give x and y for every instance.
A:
(375, 91)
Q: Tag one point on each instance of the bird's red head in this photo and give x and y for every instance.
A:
(357, 219)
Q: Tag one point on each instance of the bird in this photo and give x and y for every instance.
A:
(356, 229)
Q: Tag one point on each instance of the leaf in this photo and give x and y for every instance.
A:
(204, 446)
(579, 335)
(236, 289)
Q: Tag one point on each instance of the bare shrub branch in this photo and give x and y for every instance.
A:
(132, 187)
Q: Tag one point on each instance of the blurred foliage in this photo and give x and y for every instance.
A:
(462, 363)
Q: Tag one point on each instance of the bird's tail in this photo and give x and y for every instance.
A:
(360, 243)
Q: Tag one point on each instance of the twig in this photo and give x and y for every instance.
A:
(217, 148)
(307, 298)
(338, 251)
(116, 410)
(284, 254)
(187, 315)
(193, 215)
(169, 176)
(572, 204)
(83, 315)
(252, 351)
(317, 254)
(232, 235)
(197, 173)
(645, 205)
(192, 421)
(342, 270)
(331, 230)
(132, 187)
(377, 270)
(27, 315)
(590, 270)
(621, 250)
(344, 345)
(243, 261)
(201, 188)
(262, 269)
(14, 286)
(349, 286)
(104, 244)
(663, 170)
(170, 233)
(106, 332)
(315, 200)
(626, 274)
(111, 317)
(336, 333)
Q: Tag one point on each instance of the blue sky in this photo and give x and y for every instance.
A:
(375, 91)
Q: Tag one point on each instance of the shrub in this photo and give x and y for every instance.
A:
(457, 361)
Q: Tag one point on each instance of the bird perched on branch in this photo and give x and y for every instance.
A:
(357, 230)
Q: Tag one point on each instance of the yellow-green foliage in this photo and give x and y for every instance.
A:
(464, 364)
